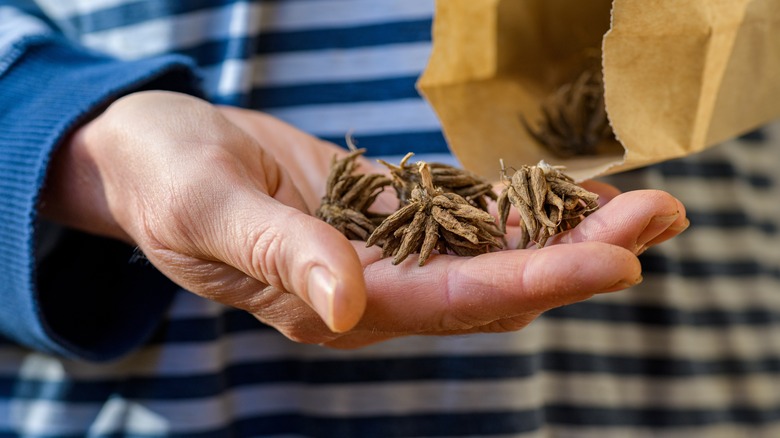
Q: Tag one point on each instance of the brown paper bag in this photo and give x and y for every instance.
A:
(679, 75)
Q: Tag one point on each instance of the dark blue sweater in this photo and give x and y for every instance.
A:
(85, 298)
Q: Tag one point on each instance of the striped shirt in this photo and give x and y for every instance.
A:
(693, 351)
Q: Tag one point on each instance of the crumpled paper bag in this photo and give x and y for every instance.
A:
(679, 75)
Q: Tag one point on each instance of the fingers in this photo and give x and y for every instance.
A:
(506, 290)
(291, 251)
(214, 210)
(460, 294)
(634, 220)
(495, 292)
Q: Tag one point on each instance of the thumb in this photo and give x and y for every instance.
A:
(280, 246)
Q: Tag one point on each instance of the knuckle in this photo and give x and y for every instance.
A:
(267, 258)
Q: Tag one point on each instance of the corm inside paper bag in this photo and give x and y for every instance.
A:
(679, 75)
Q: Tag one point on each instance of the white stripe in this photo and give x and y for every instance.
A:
(341, 65)
(14, 26)
(188, 305)
(169, 33)
(715, 430)
(129, 416)
(234, 76)
(715, 245)
(289, 15)
(211, 357)
(698, 392)
(240, 19)
(632, 340)
(43, 417)
(46, 417)
(229, 77)
(627, 340)
(717, 193)
(393, 398)
(196, 415)
(363, 118)
(701, 294)
(286, 14)
(63, 9)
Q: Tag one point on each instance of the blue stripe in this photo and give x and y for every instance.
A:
(378, 90)
(655, 419)
(469, 424)
(207, 329)
(395, 144)
(758, 137)
(566, 362)
(711, 170)
(664, 316)
(398, 32)
(656, 264)
(212, 53)
(730, 220)
(409, 425)
(650, 419)
(646, 419)
(314, 372)
(660, 417)
(361, 371)
(131, 13)
(506, 422)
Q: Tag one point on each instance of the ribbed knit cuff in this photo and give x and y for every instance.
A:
(86, 299)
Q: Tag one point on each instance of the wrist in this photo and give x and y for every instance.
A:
(73, 194)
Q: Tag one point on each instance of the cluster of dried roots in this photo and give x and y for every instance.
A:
(574, 118)
(349, 195)
(444, 209)
(406, 177)
(548, 201)
(435, 219)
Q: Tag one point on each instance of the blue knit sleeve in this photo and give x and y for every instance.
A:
(86, 298)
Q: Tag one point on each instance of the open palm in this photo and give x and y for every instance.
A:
(494, 292)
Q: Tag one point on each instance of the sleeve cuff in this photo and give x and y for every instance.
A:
(85, 299)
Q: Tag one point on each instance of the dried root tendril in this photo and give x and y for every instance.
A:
(448, 178)
(348, 196)
(435, 219)
(444, 209)
(574, 119)
(547, 200)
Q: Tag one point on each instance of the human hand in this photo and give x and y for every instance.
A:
(207, 204)
(216, 199)
(501, 291)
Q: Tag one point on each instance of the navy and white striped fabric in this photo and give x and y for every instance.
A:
(694, 351)
(327, 66)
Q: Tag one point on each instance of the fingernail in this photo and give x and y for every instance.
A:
(656, 226)
(322, 291)
(624, 284)
(682, 227)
